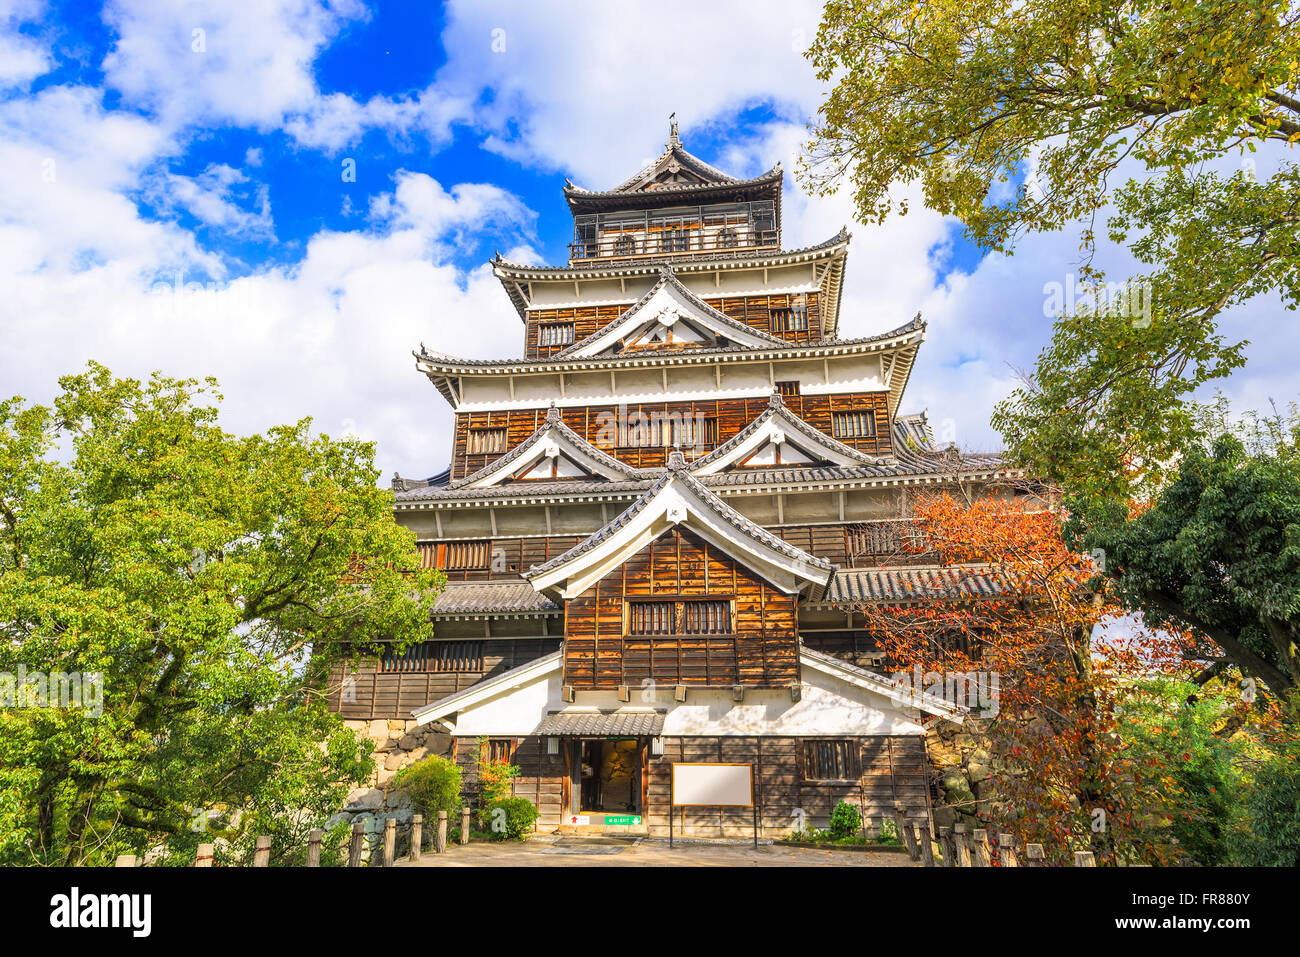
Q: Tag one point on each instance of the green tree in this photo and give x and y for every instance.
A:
(1019, 118)
(213, 580)
(1217, 551)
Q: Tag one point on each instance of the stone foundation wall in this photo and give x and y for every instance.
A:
(396, 744)
(961, 767)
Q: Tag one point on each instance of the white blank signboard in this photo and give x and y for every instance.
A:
(713, 785)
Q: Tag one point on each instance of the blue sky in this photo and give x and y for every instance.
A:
(175, 197)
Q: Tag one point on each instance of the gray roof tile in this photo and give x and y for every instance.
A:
(478, 598)
(872, 585)
(602, 723)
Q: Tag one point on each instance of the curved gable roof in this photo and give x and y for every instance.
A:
(552, 438)
(776, 421)
(668, 294)
(678, 498)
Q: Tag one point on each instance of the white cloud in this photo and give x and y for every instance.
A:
(585, 89)
(250, 63)
(330, 336)
(213, 198)
(22, 58)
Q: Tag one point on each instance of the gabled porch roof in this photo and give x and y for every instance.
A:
(668, 302)
(553, 439)
(778, 425)
(678, 499)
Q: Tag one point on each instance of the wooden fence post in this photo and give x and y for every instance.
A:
(949, 847)
(963, 845)
(262, 852)
(1084, 859)
(390, 840)
(358, 837)
(125, 860)
(1033, 855)
(1007, 850)
(440, 838)
(417, 835)
(203, 857)
(927, 848)
(980, 848)
(905, 833)
(314, 838)
(464, 825)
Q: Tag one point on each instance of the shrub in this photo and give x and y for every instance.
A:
(510, 818)
(846, 820)
(431, 785)
(1270, 836)
(495, 778)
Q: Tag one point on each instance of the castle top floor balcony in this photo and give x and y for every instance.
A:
(678, 232)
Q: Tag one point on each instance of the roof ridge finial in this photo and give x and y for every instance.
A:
(775, 401)
(673, 138)
(552, 414)
(676, 461)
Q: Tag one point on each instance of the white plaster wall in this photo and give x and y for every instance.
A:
(738, 380)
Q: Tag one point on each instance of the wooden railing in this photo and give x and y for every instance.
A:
(382, 850)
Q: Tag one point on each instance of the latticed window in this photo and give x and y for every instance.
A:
(435, 656)
(706, 618)
(467, 555)
(555, 333)
(650, 617)
(789, 320)
(788, 388)
(881, 538)
(830, 760)
(674, 240)
(692, 617)
(485, 441)
(853, 425)
(499, 750)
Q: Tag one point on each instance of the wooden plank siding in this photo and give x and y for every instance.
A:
(755, 311)
(761, 652)
(396, 695)
(541, 775)
(593, 422)
(893, 768)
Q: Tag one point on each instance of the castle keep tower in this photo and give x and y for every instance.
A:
(657, 524)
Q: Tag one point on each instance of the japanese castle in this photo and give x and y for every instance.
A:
(661, 524)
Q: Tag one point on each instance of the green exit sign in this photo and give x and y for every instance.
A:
(612, 820)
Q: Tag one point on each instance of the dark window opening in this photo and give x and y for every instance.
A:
(833, 760)
(853, 425)
(692, 617)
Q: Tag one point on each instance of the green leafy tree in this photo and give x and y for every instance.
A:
(1182, 733)
(1217, 551)
(1021, 118)
(212, 580)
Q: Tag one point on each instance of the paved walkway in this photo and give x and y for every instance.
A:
(547, 851)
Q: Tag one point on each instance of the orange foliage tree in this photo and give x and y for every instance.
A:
(1019, 609)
